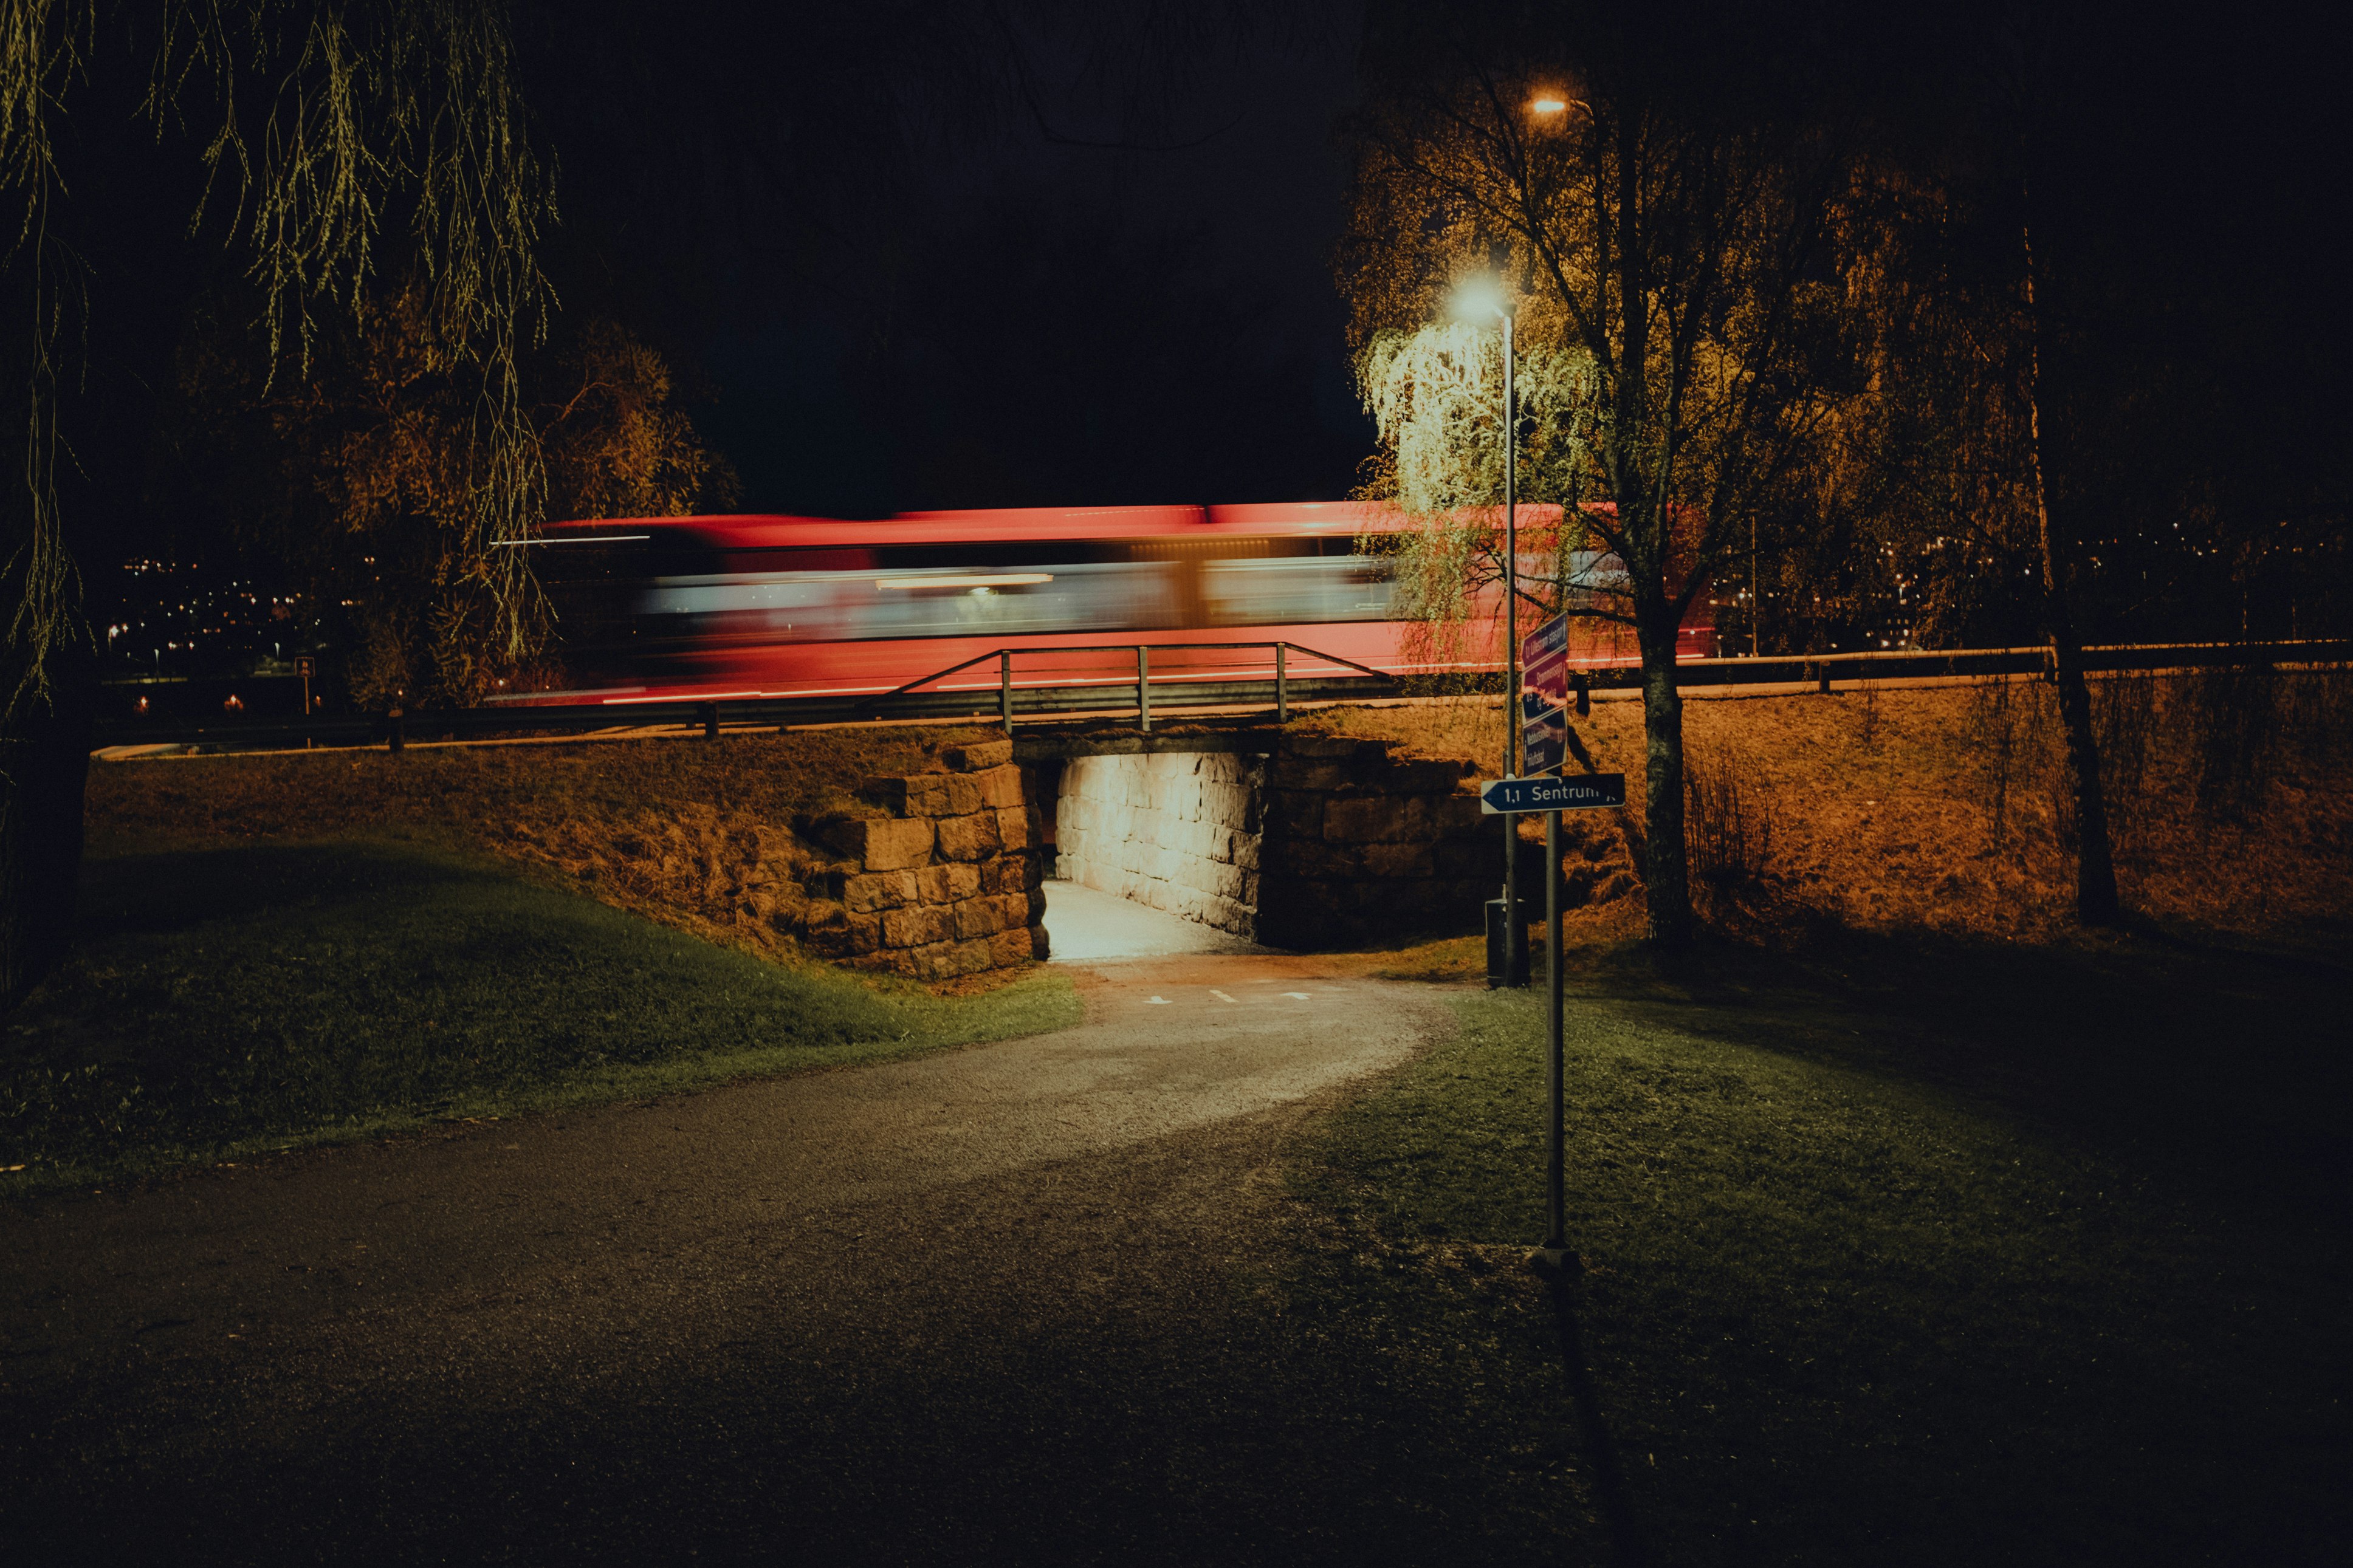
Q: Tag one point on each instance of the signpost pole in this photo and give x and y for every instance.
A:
(1556, 1246)
(1511, 797)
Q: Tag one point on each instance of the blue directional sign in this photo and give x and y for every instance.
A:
(1543, 664)
(1543, 741)
(1575, 791)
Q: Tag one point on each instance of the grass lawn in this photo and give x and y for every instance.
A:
(1900, 1253)
(229, 998)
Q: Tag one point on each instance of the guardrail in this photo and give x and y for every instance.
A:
(1287, 686)
(1006, 690)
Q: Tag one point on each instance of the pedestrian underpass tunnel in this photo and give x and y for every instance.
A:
(1176, 834)
(1260, 835)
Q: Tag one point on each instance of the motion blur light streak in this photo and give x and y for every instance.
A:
(1011, 580)
(700, 608)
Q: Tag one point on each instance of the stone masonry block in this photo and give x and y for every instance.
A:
(918, 926)
(1451, 816)
(947, 883)
(1314, 858)
(1015, 830)
(969, 837)
(964, 795)
(1002, 875)
(1291, 773)
(1008, 948)
(1332, 746)
(918, 795)
(977, 756)
(1398, 862)
(980, 918)
(1033, 905)
(1424, 777)
(859, 934)
(1000, 786)
(1302, 812)
(895, 843)
(1368, 819)
(878, 891)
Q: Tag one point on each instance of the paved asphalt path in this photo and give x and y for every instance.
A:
(1002, 1303)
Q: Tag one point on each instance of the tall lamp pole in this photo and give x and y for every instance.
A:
(1516, 936)
(1476, 301)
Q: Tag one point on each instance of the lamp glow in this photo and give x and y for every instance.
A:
(1479, 300)
(1549, 105)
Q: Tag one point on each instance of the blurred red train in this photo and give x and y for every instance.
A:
(688, 608)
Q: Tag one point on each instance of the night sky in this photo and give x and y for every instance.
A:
(888, 281)
(938, 297)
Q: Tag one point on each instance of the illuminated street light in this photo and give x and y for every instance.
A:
(1479, 300)
(1550, 105)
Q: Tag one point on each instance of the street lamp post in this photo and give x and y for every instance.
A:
(1476, 301)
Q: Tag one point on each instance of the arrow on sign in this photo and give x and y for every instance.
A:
(1577, 792)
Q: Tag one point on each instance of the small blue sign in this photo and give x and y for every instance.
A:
(1575, 791)
(1543, 741)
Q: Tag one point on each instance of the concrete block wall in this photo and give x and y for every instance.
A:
(1360, 846)
(1177, 831)
(948, 883)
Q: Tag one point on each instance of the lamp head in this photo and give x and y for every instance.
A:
(1480, 299)
(1549, 105)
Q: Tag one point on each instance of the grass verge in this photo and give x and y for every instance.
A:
(1905, 1254)
(223, 1000)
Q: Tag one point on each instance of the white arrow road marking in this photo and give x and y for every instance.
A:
(1158, 1001)
(1220, 994)
(1300, 996)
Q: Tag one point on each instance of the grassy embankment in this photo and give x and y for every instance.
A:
(1942, 809)
(283, 951)
(1904, 1239)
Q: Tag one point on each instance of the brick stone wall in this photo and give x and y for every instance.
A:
(1174, 830)
(1360, 847)
(947, 883)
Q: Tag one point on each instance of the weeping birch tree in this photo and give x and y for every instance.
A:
(1680, 244)
(339, 143)
(1435, 393)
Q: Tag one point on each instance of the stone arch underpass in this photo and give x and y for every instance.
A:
(1254, 836)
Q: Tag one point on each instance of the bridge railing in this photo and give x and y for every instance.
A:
(1148, 672)
(1181, 665)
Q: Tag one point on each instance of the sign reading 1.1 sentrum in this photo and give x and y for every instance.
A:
(1570, 792)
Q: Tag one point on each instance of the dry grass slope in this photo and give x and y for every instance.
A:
(1943, 808)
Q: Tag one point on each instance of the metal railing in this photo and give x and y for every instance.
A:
(1037, 698)
(1143, 652)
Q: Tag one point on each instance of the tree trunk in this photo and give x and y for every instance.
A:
(44, 767)
(2096, 902)
(1666, 868)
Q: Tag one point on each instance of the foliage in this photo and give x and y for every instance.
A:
(362, 473)
(329, 134)
(1680, 245)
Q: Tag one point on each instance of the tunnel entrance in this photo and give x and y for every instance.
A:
(1174, 831)
(1150, 852)
(1254, 836)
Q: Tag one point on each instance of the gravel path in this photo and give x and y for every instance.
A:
(994, 1303)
